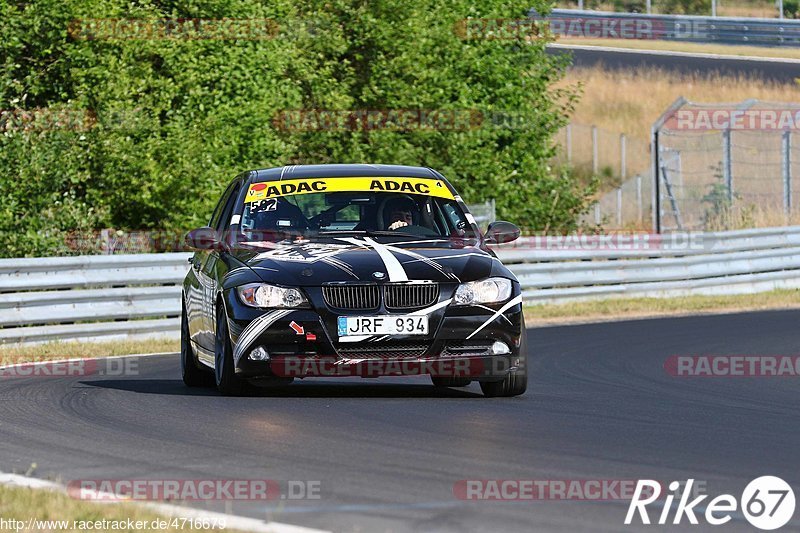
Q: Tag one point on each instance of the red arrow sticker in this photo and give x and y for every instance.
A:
(297, 327)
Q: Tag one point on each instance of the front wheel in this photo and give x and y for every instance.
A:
(516, 381)
(228, 383)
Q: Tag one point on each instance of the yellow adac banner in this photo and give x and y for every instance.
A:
(272, 189)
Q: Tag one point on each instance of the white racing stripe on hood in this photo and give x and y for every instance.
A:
(394, 269)
(426, 260)
(511, 303)
(255, 328)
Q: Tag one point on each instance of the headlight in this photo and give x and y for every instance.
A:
(485, 291)
(263, 295)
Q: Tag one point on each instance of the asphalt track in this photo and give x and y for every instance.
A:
(388, 452)
(784, 71)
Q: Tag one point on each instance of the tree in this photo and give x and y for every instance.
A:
(169, 121)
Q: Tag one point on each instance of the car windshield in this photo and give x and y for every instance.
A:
(406, 207)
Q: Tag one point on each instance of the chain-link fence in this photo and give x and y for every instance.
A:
(624, 168)
(726, 166)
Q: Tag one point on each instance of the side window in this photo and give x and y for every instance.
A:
(230, 204)
(218, 211)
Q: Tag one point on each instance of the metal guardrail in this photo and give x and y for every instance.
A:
(123, 296)
(690, 28)
(90, 297)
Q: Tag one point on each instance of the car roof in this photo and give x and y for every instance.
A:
(338, 170)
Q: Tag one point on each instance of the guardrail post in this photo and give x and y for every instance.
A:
(597, 214)
(639, 207)
(649, 7)
(786, 158)
(619, 207)
(713, 8)
(727, 171)
(594, 150)
(780, 9)
(569, 143)
(623, 163)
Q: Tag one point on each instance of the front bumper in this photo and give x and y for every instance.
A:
(300, 344)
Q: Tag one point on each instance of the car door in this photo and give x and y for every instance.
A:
(213, 269)
(203, 330)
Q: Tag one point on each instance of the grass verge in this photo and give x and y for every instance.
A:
(36, 507)
(70, 350)
(623, 308)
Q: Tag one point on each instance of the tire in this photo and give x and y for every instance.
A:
(193, 375)
(450, 381)
(228, 383)
(516, 382)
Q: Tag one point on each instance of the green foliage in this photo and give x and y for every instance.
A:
(630, 6)
(686, 7)
(173, 120)
(791, 9)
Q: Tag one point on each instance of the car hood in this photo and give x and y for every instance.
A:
(354, 259)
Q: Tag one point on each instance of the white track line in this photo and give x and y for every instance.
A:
(759, 59)
(241, 523)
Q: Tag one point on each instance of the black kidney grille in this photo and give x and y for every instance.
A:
(410, 295)
(351, 296)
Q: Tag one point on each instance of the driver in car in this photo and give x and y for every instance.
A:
(401, 213)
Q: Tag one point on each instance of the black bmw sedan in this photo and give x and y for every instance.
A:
(349, 270)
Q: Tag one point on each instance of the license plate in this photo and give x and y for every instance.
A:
(350, 326)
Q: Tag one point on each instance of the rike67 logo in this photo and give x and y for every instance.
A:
(767, 503)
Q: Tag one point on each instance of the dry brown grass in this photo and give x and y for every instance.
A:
(725, 8)
(24, 504)
(73, 350)
(630, 101)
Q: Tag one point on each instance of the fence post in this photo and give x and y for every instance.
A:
(619, 207)
(623, 156)
(597, 214)
(727, 171)
(786, 146)
(639, 207)
(713, 8)
(649, 7)
(594, 151)
(569, 143)
(780, 9)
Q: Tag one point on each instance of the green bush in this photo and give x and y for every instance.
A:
(171, 121)
(686, 7)
(791, 9)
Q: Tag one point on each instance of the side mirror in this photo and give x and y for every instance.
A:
(501, 232)
(204, 238)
